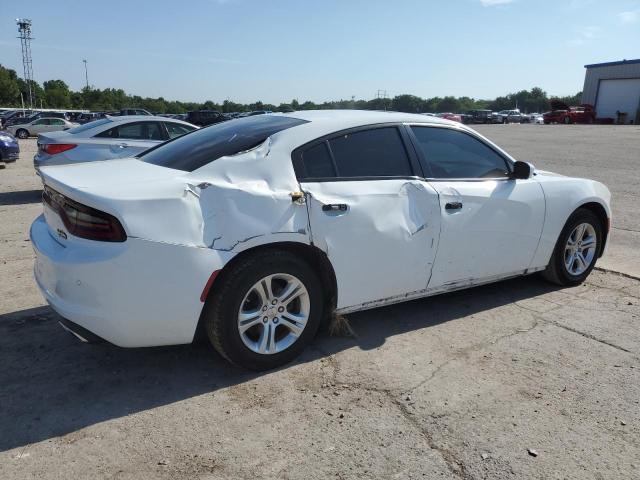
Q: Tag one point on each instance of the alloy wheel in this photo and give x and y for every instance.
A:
(580, 249)
(273, 313)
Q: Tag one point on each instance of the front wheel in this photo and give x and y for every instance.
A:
(265, 310)
(22, 133)
(567, 120)
(577, 249)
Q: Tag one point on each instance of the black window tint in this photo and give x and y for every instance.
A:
(454, 154)
(200, 147)
(317, 162)
(378, 152)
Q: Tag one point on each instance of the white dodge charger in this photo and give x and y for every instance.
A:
(256, 230)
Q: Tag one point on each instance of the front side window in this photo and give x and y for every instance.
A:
(57, 121)
(454, 154)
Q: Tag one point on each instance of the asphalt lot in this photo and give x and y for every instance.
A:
(457, 386)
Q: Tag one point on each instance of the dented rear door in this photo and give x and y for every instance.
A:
(375, 218)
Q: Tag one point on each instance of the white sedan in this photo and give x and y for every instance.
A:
(106, 139)
(40, 125)
(257, 229)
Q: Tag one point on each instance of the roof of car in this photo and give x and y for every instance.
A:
(146, 118)
(339, 119)
(326, 122)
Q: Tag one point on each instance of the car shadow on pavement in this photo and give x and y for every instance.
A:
(52, 384)
(20, 198)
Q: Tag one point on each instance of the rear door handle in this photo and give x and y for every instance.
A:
(334, 207)
(453, 206)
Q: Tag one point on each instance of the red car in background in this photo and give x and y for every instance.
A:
(450, 116)
(563, 113)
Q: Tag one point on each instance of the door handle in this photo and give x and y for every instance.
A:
(334, 207)
(453, 206)
(122, 145)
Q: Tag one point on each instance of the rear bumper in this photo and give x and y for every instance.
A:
(136, 293)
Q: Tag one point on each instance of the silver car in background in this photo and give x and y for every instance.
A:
(106, 139)
(40, 125)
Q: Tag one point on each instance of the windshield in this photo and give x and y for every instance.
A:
(200, 147)
(89, 125)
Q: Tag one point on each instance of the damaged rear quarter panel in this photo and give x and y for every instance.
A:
(245, 200)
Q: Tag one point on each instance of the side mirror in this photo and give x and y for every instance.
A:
(522, 170)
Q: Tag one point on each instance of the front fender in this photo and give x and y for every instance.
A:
(563, 196)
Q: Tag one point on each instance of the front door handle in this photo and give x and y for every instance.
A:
(334, 207)
(453, 206)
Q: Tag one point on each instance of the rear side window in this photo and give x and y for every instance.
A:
(455, 154)
(177, 129)
(317, 162)
(135, 131)
(378, 152)
(200, 147)
(88, 126)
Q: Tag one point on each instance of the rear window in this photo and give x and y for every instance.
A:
(89, 125)
(200, 147)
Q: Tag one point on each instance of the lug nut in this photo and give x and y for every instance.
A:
(281, 309)
(264, 309)
(273, 302)
(275, 320)
(265, 319)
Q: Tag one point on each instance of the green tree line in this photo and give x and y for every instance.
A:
(57, 94)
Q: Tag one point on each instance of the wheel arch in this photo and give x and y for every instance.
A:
(599, 210)
(315, 257)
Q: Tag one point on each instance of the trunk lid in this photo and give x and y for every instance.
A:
(142, 196)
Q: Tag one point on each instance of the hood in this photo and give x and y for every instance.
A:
(545, 173)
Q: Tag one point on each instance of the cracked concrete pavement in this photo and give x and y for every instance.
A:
(455, 386)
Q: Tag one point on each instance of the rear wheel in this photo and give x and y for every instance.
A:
(577, 249)
(22, 133)
(264, 311)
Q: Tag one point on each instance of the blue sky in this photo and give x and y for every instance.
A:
(276, 50)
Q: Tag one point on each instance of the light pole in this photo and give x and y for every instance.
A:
(86, 73)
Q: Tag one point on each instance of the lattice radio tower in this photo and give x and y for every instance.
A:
(24, 29)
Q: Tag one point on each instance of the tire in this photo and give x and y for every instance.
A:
(557, 271)
(567, 120)
(505, 120)
(235, 289)
(22, 133)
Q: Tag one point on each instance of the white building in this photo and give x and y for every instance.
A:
(614, 87)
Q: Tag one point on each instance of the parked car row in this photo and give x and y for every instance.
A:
(9, 148)
(107, 139)
(255, 231)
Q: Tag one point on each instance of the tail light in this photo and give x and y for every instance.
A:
(83, 221)
(55, 148)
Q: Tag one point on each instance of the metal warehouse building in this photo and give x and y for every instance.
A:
(613, 88)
